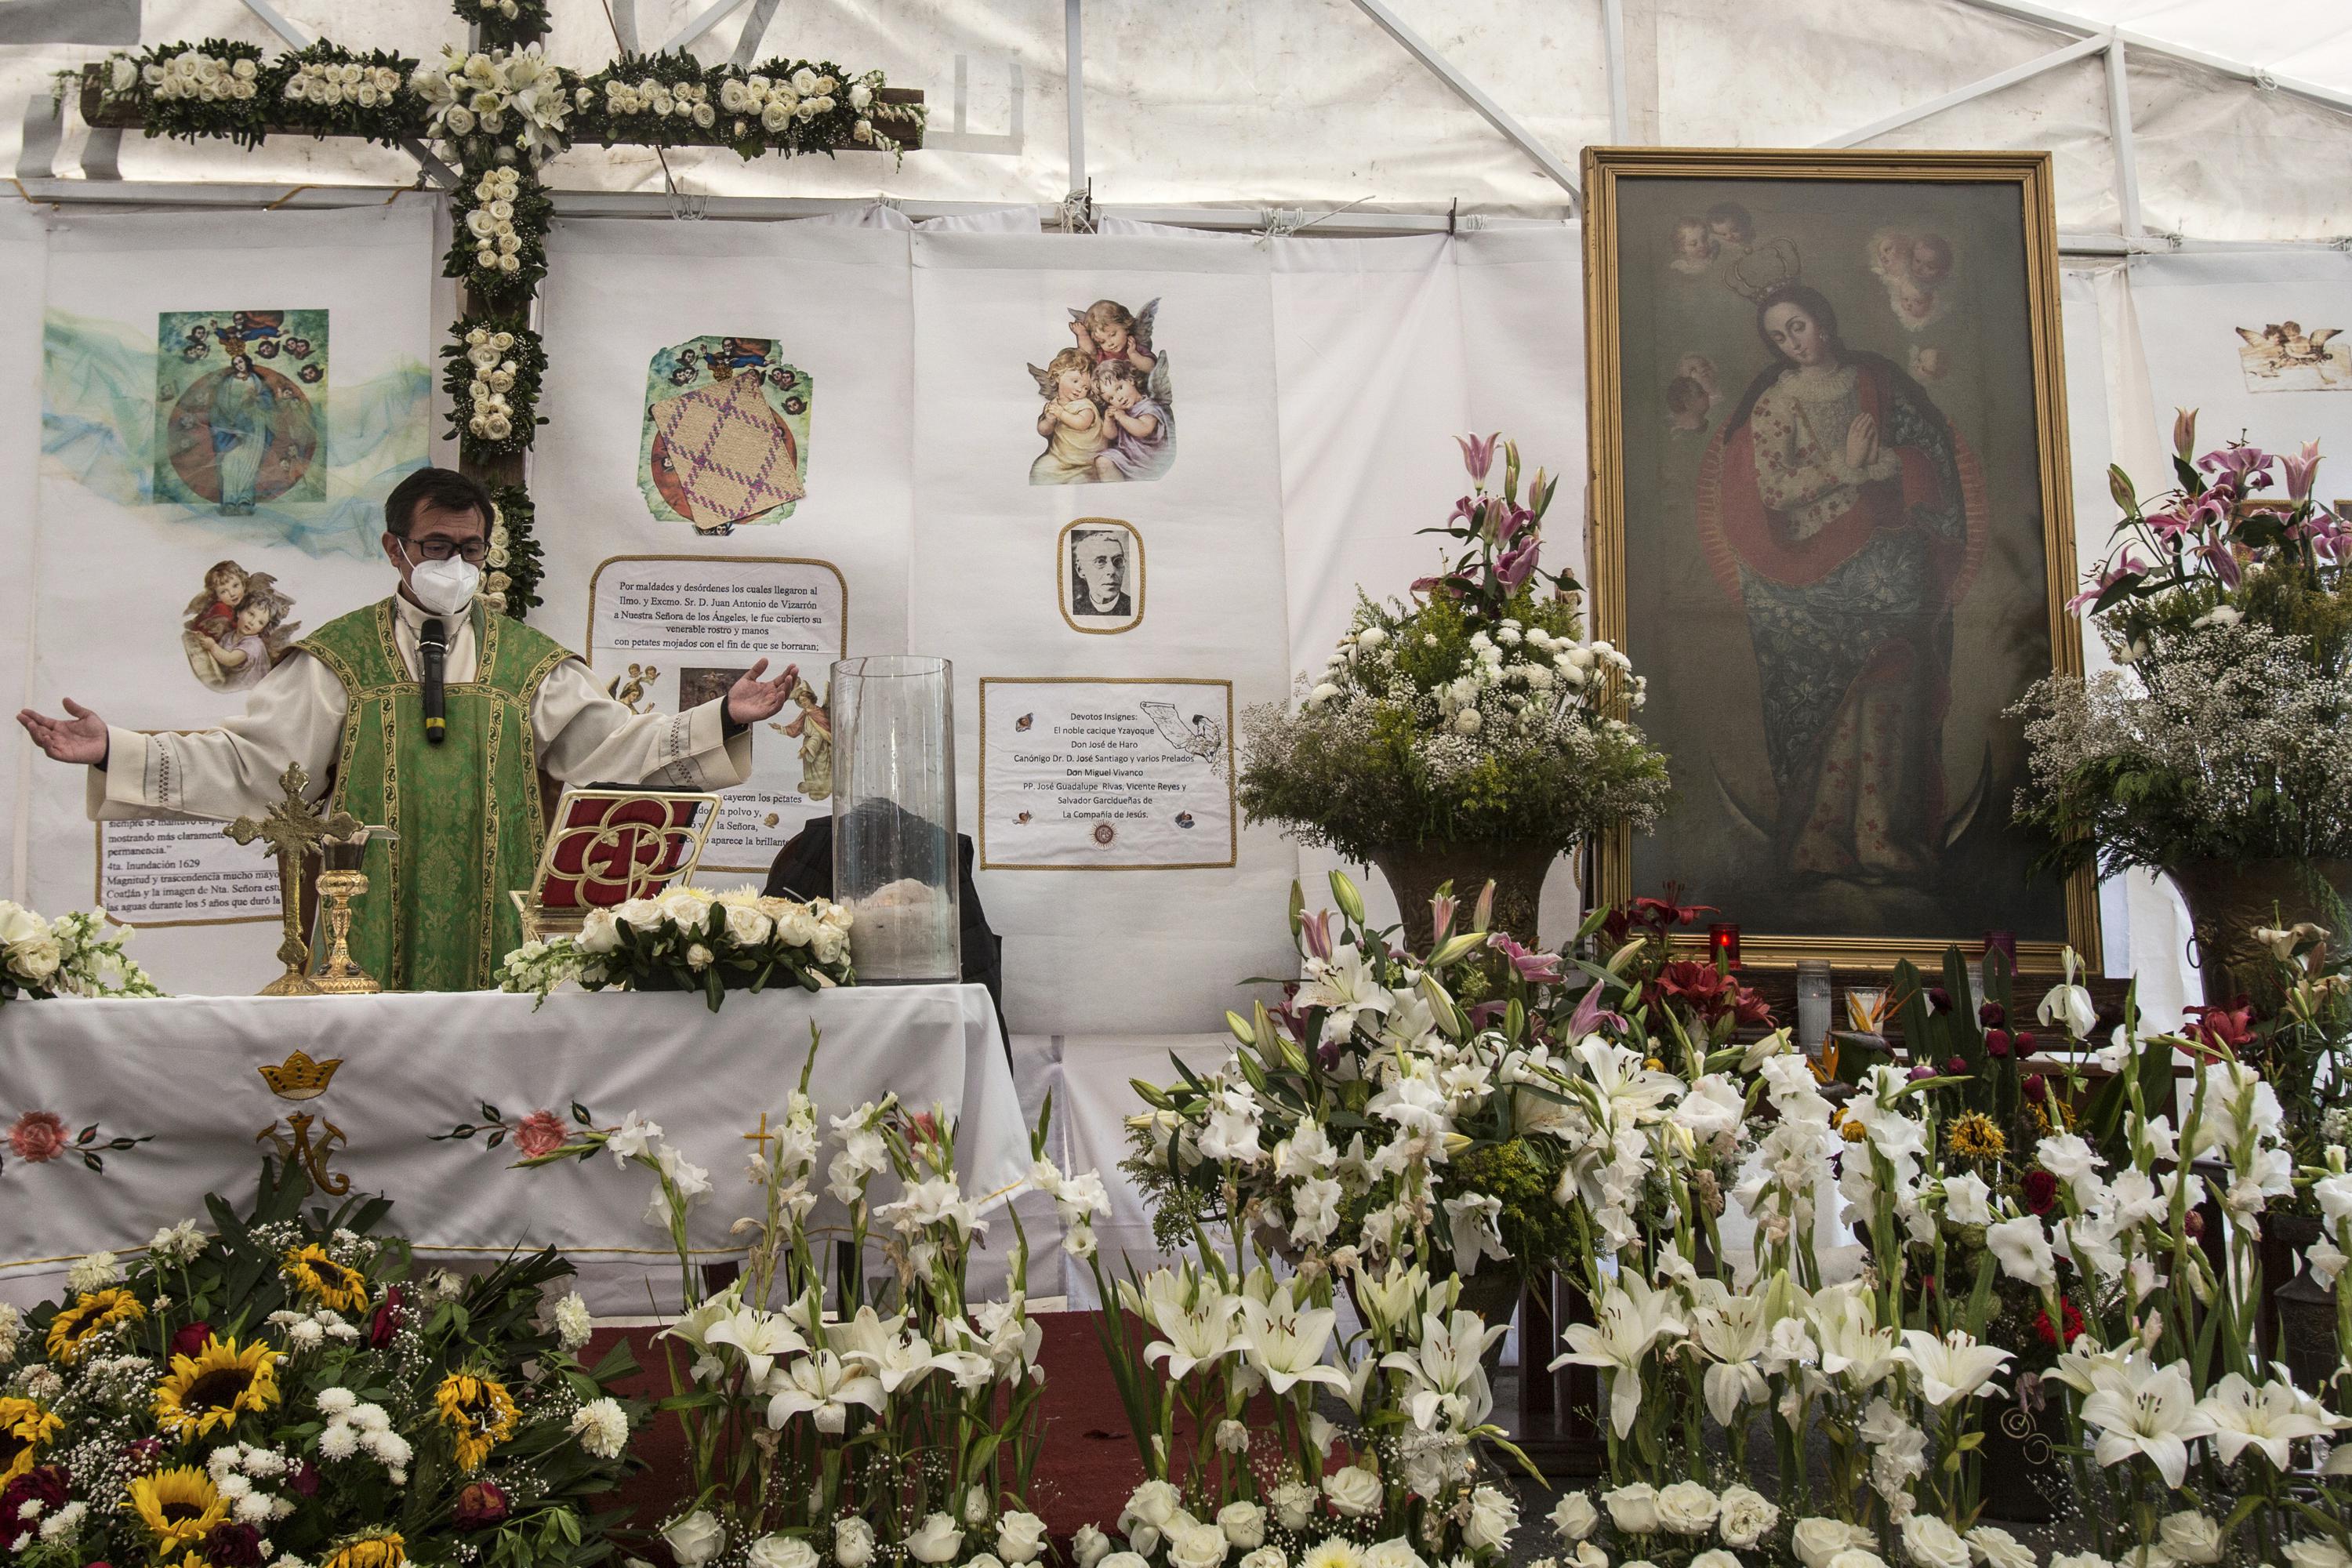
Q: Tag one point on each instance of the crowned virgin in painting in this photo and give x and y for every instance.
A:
(1827, 454)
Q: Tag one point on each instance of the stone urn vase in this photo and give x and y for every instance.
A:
(1415, 872)
(2228, 899)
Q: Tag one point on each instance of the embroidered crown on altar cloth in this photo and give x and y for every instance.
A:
(301, 1078)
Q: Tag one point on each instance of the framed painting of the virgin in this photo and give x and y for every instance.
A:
(1830, 522)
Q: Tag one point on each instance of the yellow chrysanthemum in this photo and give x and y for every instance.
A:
(385, 1551)
(331, 1284)
(211, 1389)
(1974, 1136)
(73, 1329)
(180, 1507)
(477, 1412)
(25, 1426)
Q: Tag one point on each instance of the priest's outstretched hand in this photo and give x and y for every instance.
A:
(748, 701)
(82, 738)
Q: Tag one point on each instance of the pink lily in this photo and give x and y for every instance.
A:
(1317, 929)
(2121, 567)
(1535, 968)
(2184, 432)
(1478, 455)
(1591, 1014)
(2247, 465)
(2224, 560)
(1441, 917)
(1481, 913)
(1517, 566)
(2300, 472)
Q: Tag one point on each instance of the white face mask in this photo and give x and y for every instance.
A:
(445, 587)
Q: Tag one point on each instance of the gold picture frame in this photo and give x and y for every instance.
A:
(1746, 244)
(1062, 596)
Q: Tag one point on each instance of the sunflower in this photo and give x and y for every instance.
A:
(24, 1427)
(331, 1284)
(94, 1313)
(179, 1507)
(1974, 1136)
(384, 1550)
(478, 1414)
(212, 1388)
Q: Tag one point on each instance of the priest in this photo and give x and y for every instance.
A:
(348, 704)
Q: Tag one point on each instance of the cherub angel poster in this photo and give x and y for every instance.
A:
(1109, 412)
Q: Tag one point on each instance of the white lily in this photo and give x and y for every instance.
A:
(1631, 1317)
(1952, 1368)
(762, 1338)
(2142, 1408)
(1731, 1331)
(819, 1385)
(1286, 1342)
(1445, 1372)
(1196, 1335)
(2269, 1418)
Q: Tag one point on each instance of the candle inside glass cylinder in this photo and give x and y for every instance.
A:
(1723, 941)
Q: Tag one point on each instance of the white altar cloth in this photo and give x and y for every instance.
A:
(187, 1070)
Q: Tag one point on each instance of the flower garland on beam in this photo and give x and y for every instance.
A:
(500, 112)
(785, 106)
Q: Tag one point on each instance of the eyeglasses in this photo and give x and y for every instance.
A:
(472, 550)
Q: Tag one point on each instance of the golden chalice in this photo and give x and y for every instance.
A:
(340, 882)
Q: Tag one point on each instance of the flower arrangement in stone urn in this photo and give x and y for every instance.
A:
(2213, 753)
(1469, 733)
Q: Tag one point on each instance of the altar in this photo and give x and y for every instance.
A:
(371, 1088)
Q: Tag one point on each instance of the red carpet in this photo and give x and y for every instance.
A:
(1085, 1472)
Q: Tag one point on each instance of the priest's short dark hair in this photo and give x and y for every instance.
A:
(445, 488)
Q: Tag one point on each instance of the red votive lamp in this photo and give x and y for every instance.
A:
(1723, 941)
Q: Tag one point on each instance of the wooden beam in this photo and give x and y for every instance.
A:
(101, 115)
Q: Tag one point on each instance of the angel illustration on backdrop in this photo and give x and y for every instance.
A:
(2284, 345)
(814, 729)
(1108, 413)
(237, 627)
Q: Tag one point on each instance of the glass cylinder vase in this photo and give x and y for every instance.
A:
(895, 864)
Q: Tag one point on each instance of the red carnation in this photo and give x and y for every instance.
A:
(1992, 1015)
(386, 1320)
(302, 1478)
(1997, 1042)
(480, 1505)
(2025, 1042)
(2040, 1189)
(233, 1546)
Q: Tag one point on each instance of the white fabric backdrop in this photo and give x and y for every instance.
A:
(186, 1072)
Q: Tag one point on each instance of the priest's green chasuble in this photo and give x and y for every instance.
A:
(437, 915)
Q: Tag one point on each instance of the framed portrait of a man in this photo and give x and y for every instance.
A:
(1830, 524)
(1101, 562)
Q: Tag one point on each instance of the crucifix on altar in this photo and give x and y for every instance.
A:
(293, 829)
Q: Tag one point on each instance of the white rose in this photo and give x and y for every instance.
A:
(510, 264)
(17, 922)
(1716, 1558)
(1089, 1546)
(2190, 1537)
(1243, 1524)
(1264, 1557)
(1745, 1516)
(1020, 1537)
(853, 1543)
(36, 958)
(1634, 1510)
(695, 1539)
(1195, 1545)
(936, 1540)
(1575, 1519)
(2317, 1552)
(1126, 1559)
(1816, 1541)
(1354, 1492)
(1393, 1552)
(783, 1552)
(1857, 1557)
(599, 933)
(750, 928)
(1999, 1549)
(1686, 1508)
(1153, 1503)
(1930, 1542)
(1292, 1500)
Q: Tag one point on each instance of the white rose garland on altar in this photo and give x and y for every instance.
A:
(493, 106)
(778, 106)
(691, 938)
(71, 955)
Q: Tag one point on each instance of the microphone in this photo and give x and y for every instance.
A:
(432, 654)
